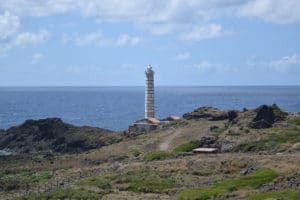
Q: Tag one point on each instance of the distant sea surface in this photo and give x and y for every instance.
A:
(116, 107)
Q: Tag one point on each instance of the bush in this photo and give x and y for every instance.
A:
(200, 194)
(186, 147)
(135, 152)
(283, 194)
(253, 180)
(157, 155)
(271, 142)
(295, 121)
(155, 185)
(99, 182)
(74, 194)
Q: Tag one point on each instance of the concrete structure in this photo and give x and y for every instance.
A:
(205, 150)
(149, 93)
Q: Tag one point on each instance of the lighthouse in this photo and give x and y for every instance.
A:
(149, 93)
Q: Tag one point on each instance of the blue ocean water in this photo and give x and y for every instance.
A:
(116, 107)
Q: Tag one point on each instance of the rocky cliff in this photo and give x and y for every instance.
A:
(53, 135)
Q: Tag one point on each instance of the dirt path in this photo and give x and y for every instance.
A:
(165, 144)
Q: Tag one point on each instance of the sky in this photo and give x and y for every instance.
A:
(187, 42)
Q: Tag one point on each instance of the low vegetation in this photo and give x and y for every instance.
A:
(153, 185)
(23, 179)
(282, 194)
(74, 194)
(157, 155)
(186, 147)
(295, 121)
(278, 140)
(253, 180)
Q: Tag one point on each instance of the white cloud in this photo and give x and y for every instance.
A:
(156, 16)
(36, 58)
(276, 11)
(285, 63)
(39, 7)
(281, 65)
(90, 39)
(127, 40)
(183, 56)
(187, 19)
(28, 39)
(97, 39)
(203, 32)
(206, 67)
(9, 25)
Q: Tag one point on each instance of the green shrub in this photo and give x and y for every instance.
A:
(271, 142)
(253, 180)
(295, 121)
(74, 194)
(155, 185)
(135, 152)
(283, 194)
(157, 155)
(200, 194)
(186, 147)
(11, 181)
(99, 182)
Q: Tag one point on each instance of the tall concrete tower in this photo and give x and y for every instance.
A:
(149, 93)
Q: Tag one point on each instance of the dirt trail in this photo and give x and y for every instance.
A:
(165, 144)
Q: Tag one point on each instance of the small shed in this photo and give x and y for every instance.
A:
(205, 150)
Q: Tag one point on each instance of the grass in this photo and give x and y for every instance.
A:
(155, 185)
(295, 121)
(186, 147)
(253, 180)
(135, 152)
(74, 194)
(274, 141)
(200, 194)
(143, 180)
(157, 155)
(10, 181)
(98, 182)
(283, 194)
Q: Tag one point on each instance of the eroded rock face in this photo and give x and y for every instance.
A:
(53, 135)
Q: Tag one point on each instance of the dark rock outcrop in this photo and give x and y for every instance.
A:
(53, 135)
(266, 116)
(210, 113)
(232, 114)
(209, 141)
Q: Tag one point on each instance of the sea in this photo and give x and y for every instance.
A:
(115, 108)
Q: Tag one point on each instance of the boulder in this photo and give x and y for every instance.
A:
(208, 141)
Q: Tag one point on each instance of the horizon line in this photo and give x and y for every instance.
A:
(74, 86)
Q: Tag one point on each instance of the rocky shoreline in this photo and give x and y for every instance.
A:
(52, 135)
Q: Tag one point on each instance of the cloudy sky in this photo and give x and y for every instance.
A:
(188, 42)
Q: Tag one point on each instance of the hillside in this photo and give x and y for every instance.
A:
(53, 135)
(258, 158)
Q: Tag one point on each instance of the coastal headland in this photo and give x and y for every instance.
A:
(257, 156)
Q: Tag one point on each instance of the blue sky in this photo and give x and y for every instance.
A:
(188, 42)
